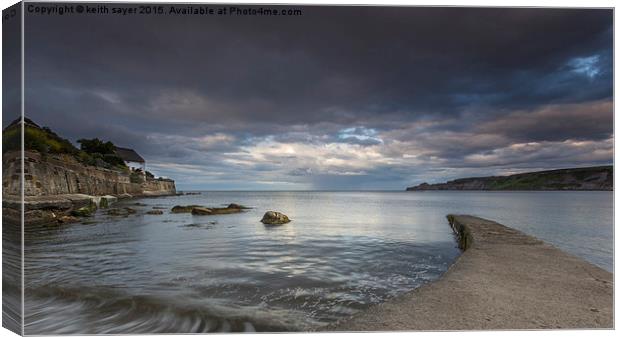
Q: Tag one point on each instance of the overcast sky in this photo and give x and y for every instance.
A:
(338, 98)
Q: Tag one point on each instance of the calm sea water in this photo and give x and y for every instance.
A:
(343, 252)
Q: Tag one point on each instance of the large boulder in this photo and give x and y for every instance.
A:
(275, 218)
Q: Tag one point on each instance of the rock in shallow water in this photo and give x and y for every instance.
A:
(201, 211)
(236, 206)
(126, 211)
(67, 219)
(184, 209)
(275, 218)
(155, 212)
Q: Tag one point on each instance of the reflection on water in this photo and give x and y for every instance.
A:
(342, 252)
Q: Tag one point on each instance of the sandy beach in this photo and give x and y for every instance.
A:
(503, 280)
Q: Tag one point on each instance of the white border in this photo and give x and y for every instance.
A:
(482, 3)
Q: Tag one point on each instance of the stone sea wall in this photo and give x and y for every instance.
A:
(58, 175)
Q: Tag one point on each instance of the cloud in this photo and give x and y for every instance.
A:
(591, 120)
(328, 99)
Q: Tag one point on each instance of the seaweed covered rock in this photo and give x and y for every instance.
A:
(236, 206)
(184, 209)
(85, 211)
(201, 211)
(126, 211)
(275, 218)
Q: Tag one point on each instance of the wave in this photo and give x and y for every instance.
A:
(58, 310)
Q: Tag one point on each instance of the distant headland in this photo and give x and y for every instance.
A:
(597, 178)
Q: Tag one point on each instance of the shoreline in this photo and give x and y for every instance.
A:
(503, 280)
(47, 209)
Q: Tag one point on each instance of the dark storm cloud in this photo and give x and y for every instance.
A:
(421, 83)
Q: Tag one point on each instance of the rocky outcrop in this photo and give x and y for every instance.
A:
(274, 218)
(598, 178)
(202, 210)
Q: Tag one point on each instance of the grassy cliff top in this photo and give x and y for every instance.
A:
(47, 142)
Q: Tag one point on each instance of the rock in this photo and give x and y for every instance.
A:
(79, 200)
(85, 211)
(103, 203)
(155, 212)
(226, 210)
(139, 204)
(121, 211)
(237, 206)
(184, 209)
(158, 207)
(274, 218)
(206, 210)
(68, 219)
(43, 203)
(201, 211)
(110, 198)
(38, 216)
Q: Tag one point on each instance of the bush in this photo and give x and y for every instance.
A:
(135, 177)
(94, 152)
(96, 145)
(11, 140)
(40, 140)
(104, 151)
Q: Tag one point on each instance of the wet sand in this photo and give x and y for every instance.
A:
(503, 280)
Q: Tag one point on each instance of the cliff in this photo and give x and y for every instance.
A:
(599, 178)
(60, 174)
(57, 185)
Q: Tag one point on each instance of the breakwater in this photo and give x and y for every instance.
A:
(503, 280)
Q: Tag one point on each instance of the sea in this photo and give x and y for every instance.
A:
(341, 253)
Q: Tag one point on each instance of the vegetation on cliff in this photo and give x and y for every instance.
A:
(94, 152)
(99, 151)
(38, 139)
(586, 178)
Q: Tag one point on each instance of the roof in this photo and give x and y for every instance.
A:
(27, 122)
(129, 155)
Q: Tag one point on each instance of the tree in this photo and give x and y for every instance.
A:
(96, 145)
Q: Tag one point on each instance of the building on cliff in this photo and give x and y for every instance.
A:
(131, 158)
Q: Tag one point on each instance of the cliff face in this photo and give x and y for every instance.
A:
(57, 175)
(598, 178)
